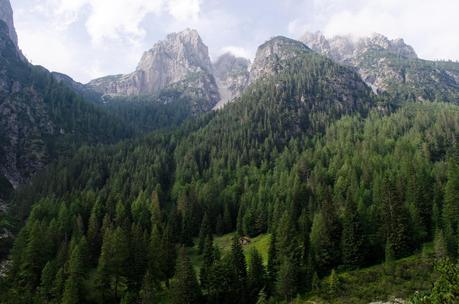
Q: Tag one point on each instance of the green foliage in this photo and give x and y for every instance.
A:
(185, 288)
(301, 156)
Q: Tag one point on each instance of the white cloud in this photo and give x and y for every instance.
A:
(430, 26)
(236, 51)
(184, 9)
(87, 38)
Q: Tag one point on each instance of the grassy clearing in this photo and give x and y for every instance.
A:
(411, 274)
(261, 243)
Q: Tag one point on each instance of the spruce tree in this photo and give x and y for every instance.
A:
(353, 237)
(273, 265)
(185, 289)
(239, 268)
(73, 290)
(204, 232)
(256, 274)
(287, 280)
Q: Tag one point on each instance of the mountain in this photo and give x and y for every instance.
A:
(6, 15)
(40, 118)
(306, 160)
(391, 66)
(181, 62)
(78, 88)
(272, 56)
(232, 75)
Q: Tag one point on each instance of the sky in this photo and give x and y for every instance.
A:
(87, 39)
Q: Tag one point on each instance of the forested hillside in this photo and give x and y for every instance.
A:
(327, 174)
(339, 179)
(41, 118)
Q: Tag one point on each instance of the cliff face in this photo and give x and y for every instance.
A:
(232, 75)
(181, 60)
(273, 54)
(6, 15)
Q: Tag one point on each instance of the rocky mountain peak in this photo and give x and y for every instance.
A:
(343, 48)
(317, 42)
(184, 50)
(181, 61)
(271, 54)
(6, 15)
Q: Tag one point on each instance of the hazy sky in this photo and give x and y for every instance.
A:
(90, 38)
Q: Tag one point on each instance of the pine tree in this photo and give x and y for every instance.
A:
(204, 232)
(287, 281)
(441, 250)
(353, 238)
(256, 274)
(47, 280)
(262, 298)
(389, 262)
(333, 283)
(239, 267)
(138, 254)
(185, 289)
(209, 259)
(168, 253)
(451, 205)
(73, 290)
(396, 219)
(148, 293)
(273, 265)
(326, 238)
(118, 261)
(103, 274)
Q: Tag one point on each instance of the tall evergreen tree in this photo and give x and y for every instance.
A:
(239, 269)
(256, 275)
(73, 290)
(185, 289)
(204, 232)
(353, 237)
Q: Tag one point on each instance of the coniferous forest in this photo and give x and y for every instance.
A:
(311, 186)
(336, 188)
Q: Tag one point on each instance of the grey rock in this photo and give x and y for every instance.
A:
(232, 76)
(386, 65)
(273, 54)
(170, 62)
(6, 15)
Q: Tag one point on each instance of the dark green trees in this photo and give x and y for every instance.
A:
(73, 290)
(185, 289)
(396, 219)
(256, 275)
(353, 243)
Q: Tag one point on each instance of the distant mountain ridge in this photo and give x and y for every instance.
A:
(391, 66)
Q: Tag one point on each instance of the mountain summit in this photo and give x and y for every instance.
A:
(391, 66)
(181, 60)
(6, 15)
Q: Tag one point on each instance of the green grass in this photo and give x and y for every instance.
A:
(411, 274)
(261, 243)
(362, 286)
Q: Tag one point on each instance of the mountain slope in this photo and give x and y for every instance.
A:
(391, 66)
(41, 118)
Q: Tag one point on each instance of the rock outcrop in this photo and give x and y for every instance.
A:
(181, 60)
(349, 48)
(232, 76)
(273, 54)
(6, 15)
(391, 66)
